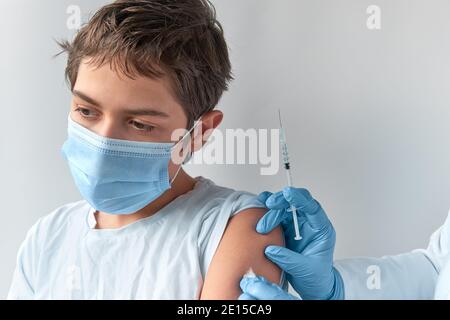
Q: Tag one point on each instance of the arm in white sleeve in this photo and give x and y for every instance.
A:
(407, 276)
(22, 283)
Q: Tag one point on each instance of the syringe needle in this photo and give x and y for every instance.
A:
(279, 117)
(287, 167)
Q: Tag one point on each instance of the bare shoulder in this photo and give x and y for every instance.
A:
(242, 228)
(241, 248)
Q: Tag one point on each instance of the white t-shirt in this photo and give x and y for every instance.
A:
(164, 256)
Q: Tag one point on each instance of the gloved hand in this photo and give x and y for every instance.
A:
(308, 263)
(259, 288)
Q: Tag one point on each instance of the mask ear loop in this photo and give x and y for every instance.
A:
(188, 158)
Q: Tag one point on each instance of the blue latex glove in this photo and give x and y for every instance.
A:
(258, 288)
(308, 263)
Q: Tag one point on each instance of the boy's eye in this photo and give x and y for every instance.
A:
(86, 113)
(141, 126)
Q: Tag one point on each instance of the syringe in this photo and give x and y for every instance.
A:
(287, 167)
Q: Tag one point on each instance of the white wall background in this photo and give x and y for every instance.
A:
(366, 111)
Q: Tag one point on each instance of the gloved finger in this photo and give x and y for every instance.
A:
(263, 196)
(246, 296)
(261, 289)
(271, 220)
(290, 261)
(304, 202)
(277, 201)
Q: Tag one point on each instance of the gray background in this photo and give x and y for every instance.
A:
(366, 113)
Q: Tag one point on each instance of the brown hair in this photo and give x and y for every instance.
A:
(153, 38)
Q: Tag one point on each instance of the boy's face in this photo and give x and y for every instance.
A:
(115, 106)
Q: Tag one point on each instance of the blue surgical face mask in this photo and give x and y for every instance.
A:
(117, 176)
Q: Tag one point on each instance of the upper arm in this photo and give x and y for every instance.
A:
(240, 249)
(21, 285)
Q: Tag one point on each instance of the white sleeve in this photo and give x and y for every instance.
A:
(407, 276)
(215, 223)
(23, 278)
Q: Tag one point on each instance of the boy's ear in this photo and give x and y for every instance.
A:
(209, 122)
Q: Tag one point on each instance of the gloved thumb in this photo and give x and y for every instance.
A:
(270, 221)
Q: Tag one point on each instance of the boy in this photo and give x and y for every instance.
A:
(138, 71)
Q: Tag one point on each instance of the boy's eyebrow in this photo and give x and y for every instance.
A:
(136, 112)
(147, 112)
(85, 97)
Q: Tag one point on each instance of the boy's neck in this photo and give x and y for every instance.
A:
(182, 184)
